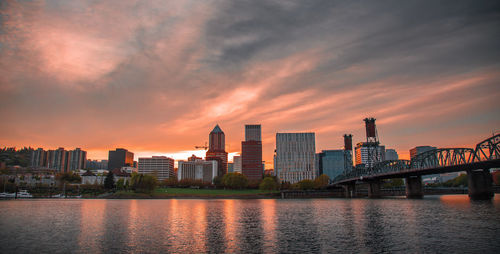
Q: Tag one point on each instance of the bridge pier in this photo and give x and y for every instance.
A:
(480, 184)
(350, 190)
(374, 189)
(414, 187)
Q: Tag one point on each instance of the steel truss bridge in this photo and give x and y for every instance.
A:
(486, 155)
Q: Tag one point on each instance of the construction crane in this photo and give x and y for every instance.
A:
(205, 147)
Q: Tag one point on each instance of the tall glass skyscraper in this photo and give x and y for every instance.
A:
(251, 153)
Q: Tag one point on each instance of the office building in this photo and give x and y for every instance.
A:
(120, 158)
(420, 149)
(331, 162)
(295, 156)
(391, 155)
(251, 153)
(217, 149)
(230, 168)
(253, 132)
(363, 150)
(237, 164)
(96, 165)
(160, 166)
(197, 170)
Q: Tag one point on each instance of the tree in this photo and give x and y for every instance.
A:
(218, 181)
(69, 177)
(306, 184)
(109, 181)
(321, 181)
(235, 181)
(120, 184)
(143, 183)
(268, 184)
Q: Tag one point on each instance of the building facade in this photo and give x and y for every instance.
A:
(77, 159)
(160, 166)
(251, 153)
(237, 164)
(217, 149)
(295, 156)
(331, 162)
(120, 158)
(362, 152)
(391, 155)
(198, 170)
(253, 132)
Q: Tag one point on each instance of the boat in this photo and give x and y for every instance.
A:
(24, 194)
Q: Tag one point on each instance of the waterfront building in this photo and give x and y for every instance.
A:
(391, 155)
(217, 149)
(120, 158)
(251, 153)
(237, 164)
(160, 166)
(295, 156)
(362, 151)
(331, 162)
(420, 149)
(198, 170)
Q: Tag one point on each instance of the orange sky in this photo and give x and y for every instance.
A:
(155, 77)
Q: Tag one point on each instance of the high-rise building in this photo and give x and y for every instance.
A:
(230, 167)
(237, 164)
(77, 159)
(39, 158)
(420, 149)
(251, 153)
(253, 132)
(160, 166)
(96, 165)
(58, 159)
(294, 158)
(197, 170)
(120, 158)
(391, 155)
(331, 162)
(217, 149)
(362, 154)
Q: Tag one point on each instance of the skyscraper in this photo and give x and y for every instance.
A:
(251, 153)
(253, 132)
(217, 149)
(237, 164)
(420, 149)
(120, 158)
(294, 158)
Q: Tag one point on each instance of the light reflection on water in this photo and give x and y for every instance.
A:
(433, 224)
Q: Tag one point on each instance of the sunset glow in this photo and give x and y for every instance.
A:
(155, 77)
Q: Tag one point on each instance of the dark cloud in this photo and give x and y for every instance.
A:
(156, 76)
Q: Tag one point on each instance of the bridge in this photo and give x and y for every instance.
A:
(476, 162)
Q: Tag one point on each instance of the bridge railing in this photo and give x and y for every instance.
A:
(488, 149)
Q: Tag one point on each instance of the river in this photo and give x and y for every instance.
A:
(444, 224)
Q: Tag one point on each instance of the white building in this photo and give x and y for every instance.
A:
(237, 164)
(362, 154)
(197, 170)
(391, 155)
(294, 158)
(160, 166)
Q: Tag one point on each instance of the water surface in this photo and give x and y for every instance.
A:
(445, 224)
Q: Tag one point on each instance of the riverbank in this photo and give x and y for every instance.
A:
(187, 193)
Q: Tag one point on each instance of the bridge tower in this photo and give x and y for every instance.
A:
(347, 153)
(372, 143)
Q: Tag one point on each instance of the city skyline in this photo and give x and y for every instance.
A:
(171, 71)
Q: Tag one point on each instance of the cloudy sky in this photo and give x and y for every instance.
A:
(156, 76)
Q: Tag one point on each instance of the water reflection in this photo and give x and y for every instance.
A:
(434, 224)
